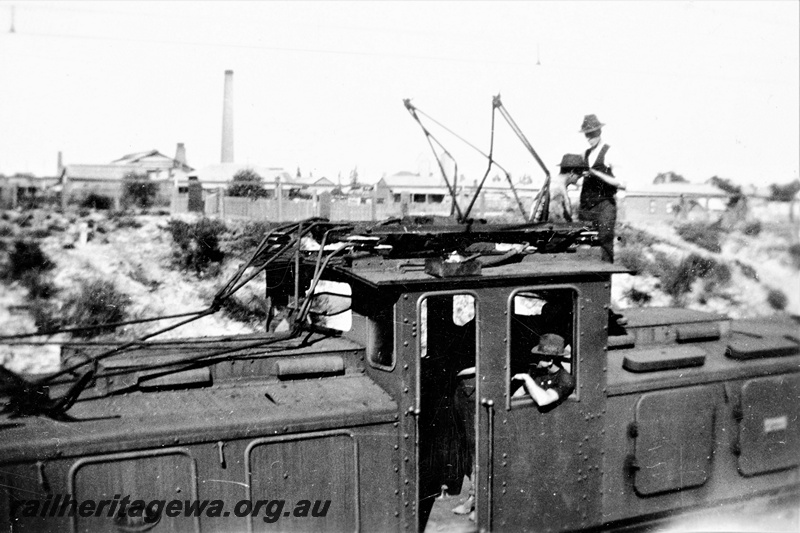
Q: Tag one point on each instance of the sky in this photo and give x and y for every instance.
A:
(701, 88)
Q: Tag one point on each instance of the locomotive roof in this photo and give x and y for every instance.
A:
(395, 254)
(409, 274)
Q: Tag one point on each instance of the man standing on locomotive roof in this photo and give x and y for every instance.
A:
(598, 203)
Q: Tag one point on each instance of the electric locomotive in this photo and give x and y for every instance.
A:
(674, 411)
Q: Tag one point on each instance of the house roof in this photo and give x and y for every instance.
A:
(406, 179)
(136, 156)
(310, 181)
(152, 159)
(98, 172)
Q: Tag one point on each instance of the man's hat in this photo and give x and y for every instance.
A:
(590, 123)
(551, 346)
(573, 161)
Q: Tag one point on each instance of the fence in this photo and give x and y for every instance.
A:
(286, 210)
(633, 207)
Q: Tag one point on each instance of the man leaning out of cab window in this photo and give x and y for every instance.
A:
(547, 382)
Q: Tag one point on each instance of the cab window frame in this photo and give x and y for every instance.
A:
(371, 344)
(526, 402)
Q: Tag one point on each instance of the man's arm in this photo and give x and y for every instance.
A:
(541, 396)
(611, 180)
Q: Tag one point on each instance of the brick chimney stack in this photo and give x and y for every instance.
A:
(60, 164)
(227, 119)
(180, 156)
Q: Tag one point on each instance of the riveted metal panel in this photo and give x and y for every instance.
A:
(165, 474)
(674, 439)
(769, 432)
(544, 466)
(27, 494)
(315, 467)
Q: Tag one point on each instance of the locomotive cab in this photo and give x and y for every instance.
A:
(440, 326)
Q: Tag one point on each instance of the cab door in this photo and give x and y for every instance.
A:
(539, 469)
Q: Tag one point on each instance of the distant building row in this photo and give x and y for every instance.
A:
(657, 202)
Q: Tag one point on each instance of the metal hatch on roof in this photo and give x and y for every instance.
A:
(664, 358)
(746, 347)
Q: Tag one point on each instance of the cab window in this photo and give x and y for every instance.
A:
(540, 320)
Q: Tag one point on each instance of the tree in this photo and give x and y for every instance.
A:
(784, 193)
(247, 184)
(726, 185)
(669, 177)
(354, 178)
(138, 190)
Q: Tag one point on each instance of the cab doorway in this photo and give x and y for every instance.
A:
(447, 351)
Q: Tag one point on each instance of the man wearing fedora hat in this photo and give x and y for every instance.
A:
(572, 167)
(598, 202)
(548, 383)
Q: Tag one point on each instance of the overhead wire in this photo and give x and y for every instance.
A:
(230, 287)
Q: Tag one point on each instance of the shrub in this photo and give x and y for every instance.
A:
(139, 191)
(6, 229)
(794, 253)
(747, 270)
(252, 311)
(97, 302)
(45, 315)
(702, 235)
(246, 237)
(27, 257)
(39, 233)
(630, 236)
(128, 222)
(632, 259)
(777, 299)
(97, 201)
(39, 287)
(196, 244)
(248, 184)
(631, 248)
(638, 297)
(677, 280)
(752, 228)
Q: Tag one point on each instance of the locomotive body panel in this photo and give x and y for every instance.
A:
(332, 465)
(690, 420)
